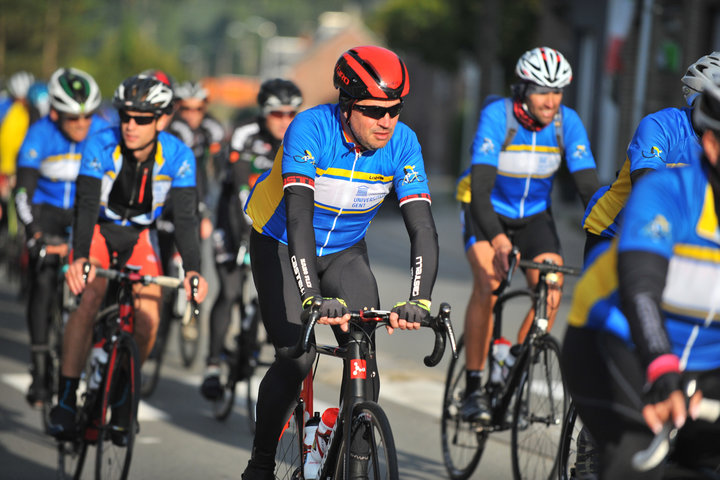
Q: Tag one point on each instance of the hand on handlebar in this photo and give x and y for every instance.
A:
(408, 315)
(202, 286)
(503, 248)
(77, 277)
(333, 311)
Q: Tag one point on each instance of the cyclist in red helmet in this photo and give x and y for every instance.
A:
(310, 212)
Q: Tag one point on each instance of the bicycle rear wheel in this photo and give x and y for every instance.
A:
(538, 413)
(222, 407)
(462, 444)
(71, 459)
(118, 412)
(372, 453)
(289, 454)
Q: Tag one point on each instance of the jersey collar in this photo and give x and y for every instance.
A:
(707, 226)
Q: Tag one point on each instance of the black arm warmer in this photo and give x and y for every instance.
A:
(240, 174)
(482, 180)
(300, 208)
(639, 173)
(87, 208)
(26, 182)
(587, 183)
(423, 248)
(185, 220)
(641, 277)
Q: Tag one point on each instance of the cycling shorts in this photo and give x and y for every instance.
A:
(126, 246)
(533, 235)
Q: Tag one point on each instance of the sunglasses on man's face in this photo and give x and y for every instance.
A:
(75, 118)
(281, 114)
(192, 109)
(377, 112)
(139, 120)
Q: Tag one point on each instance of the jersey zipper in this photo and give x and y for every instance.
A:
(352, 174)
(68, 185)
(133, 192)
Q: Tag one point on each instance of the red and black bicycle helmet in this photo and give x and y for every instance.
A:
(371, 72)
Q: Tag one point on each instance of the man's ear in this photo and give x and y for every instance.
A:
(711, 145)
(54, 116)
(162, 122)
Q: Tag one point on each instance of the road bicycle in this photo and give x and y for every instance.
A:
(239, 361)
(531, 402)
(175, 311)
(362, 438)
(107, 408)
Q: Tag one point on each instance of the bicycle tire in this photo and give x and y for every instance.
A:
(150, 370)
(54, 355)
(462, 444)
(121, 388)
(289, 453)
(71, 459)
(539, 411)
(370, 435)
(222, 407)
(568, 453)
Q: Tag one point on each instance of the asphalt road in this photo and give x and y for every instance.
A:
(179, 438)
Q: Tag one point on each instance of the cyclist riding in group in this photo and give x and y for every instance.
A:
(13, 127)
(38, 101)
(205, 135)
(505, 196)
(127, 174)
(645, 317)
(252, 149)
(658, 136)
(310, 213)
(48, 164)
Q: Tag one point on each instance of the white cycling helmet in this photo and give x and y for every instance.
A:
(19, 83)
(545, 67)
(706, 69)
(73, 91)
(190, 90)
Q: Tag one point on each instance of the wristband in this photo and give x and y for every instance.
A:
(667, 363)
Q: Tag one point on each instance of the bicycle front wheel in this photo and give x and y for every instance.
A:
(289, 454)
(71, 458)
(52, 362)
(370, 452)
(118, 410)
(152, 365)
(462, 444)
(538, 413)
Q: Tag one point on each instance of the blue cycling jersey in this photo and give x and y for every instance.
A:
(670, 213)
(659, 142)
(57, 160)
(174, 166)
(349, 185)
(527, 166)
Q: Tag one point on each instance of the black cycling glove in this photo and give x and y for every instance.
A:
(413, 310)
(663, 378)
(330, 307)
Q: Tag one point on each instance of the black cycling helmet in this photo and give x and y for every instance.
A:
(143, 94)
(706, 114)
(371, 72)
(278, 92)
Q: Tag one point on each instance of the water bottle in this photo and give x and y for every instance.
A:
(311, 426)
(98, 358)
(320, 444)
(501, 354)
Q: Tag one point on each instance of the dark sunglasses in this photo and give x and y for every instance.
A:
(376, 112)
(192, 109)
(280, 114)
(125, 118)
(75, 118)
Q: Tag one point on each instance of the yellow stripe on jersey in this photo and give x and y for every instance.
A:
(608, 206)
(708, 224)
(346, 211)
(267, 195)
(598, 281)
(464, 190)
(344, 173)
(697, 252)
(532, 148)
(64, 156)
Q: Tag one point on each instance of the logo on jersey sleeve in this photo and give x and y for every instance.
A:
(580, 151)
(654, 152)
(658, 229)
(305, 157)
(488, 146)
(411, 175)
(95, 165)
(184, 170)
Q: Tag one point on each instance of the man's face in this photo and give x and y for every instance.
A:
(278, 120)
(75, 127)
(192, 110)
(373, 133)
(544, 106)
(137, 135)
